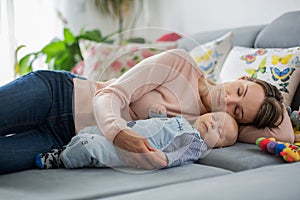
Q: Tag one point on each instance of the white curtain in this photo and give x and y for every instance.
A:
(33, 23)
(7, 40)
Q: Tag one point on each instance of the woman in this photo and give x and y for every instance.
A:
(38, 108)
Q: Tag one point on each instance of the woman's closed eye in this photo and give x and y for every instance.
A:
(238, 112)
(242, 91)
(239, 91)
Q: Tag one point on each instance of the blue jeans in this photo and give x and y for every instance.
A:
(36, 115)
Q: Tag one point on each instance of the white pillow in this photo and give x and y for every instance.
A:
(211, 56)
(280, 67)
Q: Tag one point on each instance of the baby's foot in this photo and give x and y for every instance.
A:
(157, 110)
(49, 160)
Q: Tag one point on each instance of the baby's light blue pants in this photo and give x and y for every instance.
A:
(90, 148)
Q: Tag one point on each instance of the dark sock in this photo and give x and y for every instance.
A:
(49, 160)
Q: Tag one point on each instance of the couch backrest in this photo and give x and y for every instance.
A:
(283, 32)
(242, 36)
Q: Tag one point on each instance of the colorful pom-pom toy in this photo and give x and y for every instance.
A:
(289, 152)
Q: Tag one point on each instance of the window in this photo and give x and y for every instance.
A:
(32, 23)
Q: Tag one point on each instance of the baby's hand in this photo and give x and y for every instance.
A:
(157, 110)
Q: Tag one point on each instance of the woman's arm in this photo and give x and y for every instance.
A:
(111, 100)
(284, 132)
(150, 73)
(137, 151)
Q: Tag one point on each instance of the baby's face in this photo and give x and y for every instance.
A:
(217, 129)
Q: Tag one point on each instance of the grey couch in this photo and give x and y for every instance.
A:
(242, 171)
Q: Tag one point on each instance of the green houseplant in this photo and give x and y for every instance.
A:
(64, 54)
(59, 54)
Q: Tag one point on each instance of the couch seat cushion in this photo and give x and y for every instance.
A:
(240, 157)
(271, 182)
(95, 183)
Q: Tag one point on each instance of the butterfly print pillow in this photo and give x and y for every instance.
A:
(211, 56)
(280, 67)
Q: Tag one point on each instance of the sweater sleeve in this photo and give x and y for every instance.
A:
(111, 104)
(284, 132)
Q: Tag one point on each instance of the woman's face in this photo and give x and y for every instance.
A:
(242, 99)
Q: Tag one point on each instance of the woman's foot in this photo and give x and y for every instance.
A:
(49, 160)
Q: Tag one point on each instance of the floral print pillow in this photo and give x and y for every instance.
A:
(104, 61)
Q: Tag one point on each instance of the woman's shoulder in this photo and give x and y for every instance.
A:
(181, 61)
(189, 59)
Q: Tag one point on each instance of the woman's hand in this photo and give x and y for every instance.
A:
(137, 151)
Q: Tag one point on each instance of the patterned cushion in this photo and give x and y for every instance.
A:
(211, 56)
(104, 61)
(280, 67)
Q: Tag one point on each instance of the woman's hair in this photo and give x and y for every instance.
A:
(270, 113)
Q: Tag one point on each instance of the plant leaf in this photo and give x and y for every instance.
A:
(69, 37)
(68, 64)
(64, 62)
(25, 64)
(54, 48)
(17, 66)
(94, 35)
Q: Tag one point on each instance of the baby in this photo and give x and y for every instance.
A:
(175, 138)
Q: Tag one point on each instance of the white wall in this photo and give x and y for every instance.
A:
(192, 16)
(185, 16)
(84, 14)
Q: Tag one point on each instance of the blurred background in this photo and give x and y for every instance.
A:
(34, 23)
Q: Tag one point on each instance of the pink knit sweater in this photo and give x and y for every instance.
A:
(171, 79)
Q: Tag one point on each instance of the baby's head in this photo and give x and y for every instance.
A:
(217, 129)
